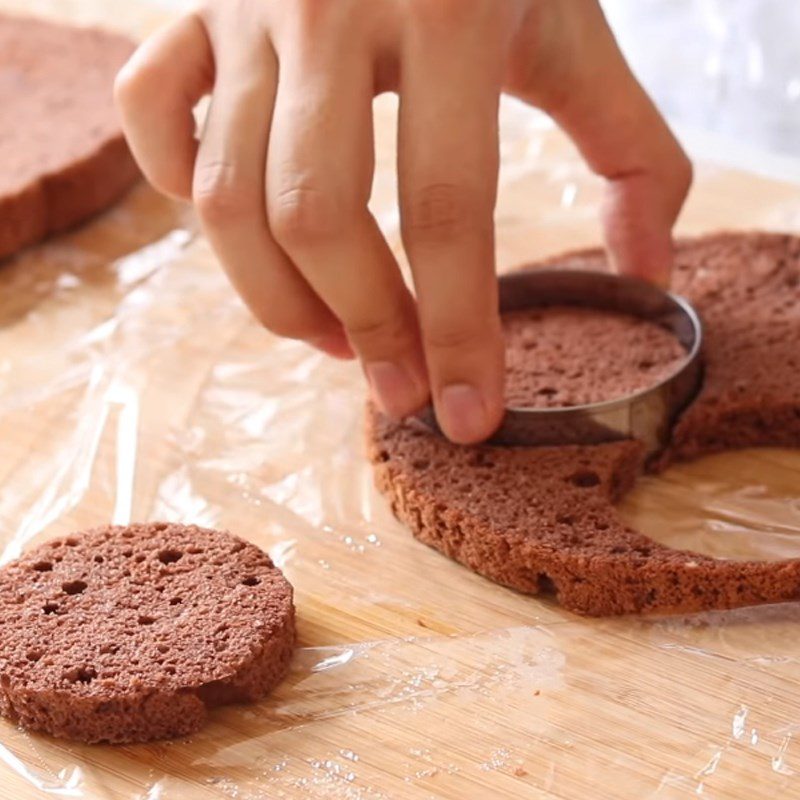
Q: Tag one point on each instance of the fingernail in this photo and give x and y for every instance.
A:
(462, 413)
(393, 388)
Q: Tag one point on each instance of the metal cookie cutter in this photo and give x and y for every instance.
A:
(647, 415)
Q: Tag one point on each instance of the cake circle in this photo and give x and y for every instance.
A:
(131, 633)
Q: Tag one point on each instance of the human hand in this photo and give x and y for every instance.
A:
(282, 171)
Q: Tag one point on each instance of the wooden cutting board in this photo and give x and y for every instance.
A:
(134, 386)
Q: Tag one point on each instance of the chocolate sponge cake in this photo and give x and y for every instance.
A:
(127, 634)
(559, 357)
(62, 153)
(542, 520)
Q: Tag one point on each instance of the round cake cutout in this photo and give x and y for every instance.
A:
(128, 634)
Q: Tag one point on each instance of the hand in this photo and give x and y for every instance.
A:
(283, 169)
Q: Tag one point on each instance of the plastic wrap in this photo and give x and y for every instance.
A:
(134, 386)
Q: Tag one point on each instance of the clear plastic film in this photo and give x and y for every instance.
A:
(134, 386)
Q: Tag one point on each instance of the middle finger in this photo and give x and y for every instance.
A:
(319, 177)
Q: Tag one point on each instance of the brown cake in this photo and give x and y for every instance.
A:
(62, 153)
(557, 356)
(542, 520)
(127, 634)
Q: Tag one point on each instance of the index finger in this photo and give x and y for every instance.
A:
(448, 165)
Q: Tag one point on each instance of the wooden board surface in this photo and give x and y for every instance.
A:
(134, 386)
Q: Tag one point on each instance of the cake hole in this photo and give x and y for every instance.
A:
(237, 547)
(162, 648)
(71, 542)
(545, 584)
(81, 675)
(382, 457)
(175, 601)
(565, 519)
(195, 551)
(170, 556)
(646, 364)
(251, 580)
(481, 459)
(126, 573)
(109, 649)
(127, 552)
(585, 478)
(547, 391)
(139, 558)
(618, 550)
(421, 463)
(43, 566)
(74, 587)
(50, 608)
(34, 655)
(146, 619)
(160, 526)
(98, 559)
(169, 670)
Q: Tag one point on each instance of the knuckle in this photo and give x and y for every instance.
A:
(286, 327)
(134, 82)
(219, 196)
(288, 320)
(437, 213)
(451, 336)
(375, 335)
(314, 12)
(449, 16)
(424, 12)
(302, 216)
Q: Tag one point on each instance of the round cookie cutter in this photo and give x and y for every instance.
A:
(647, 415)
